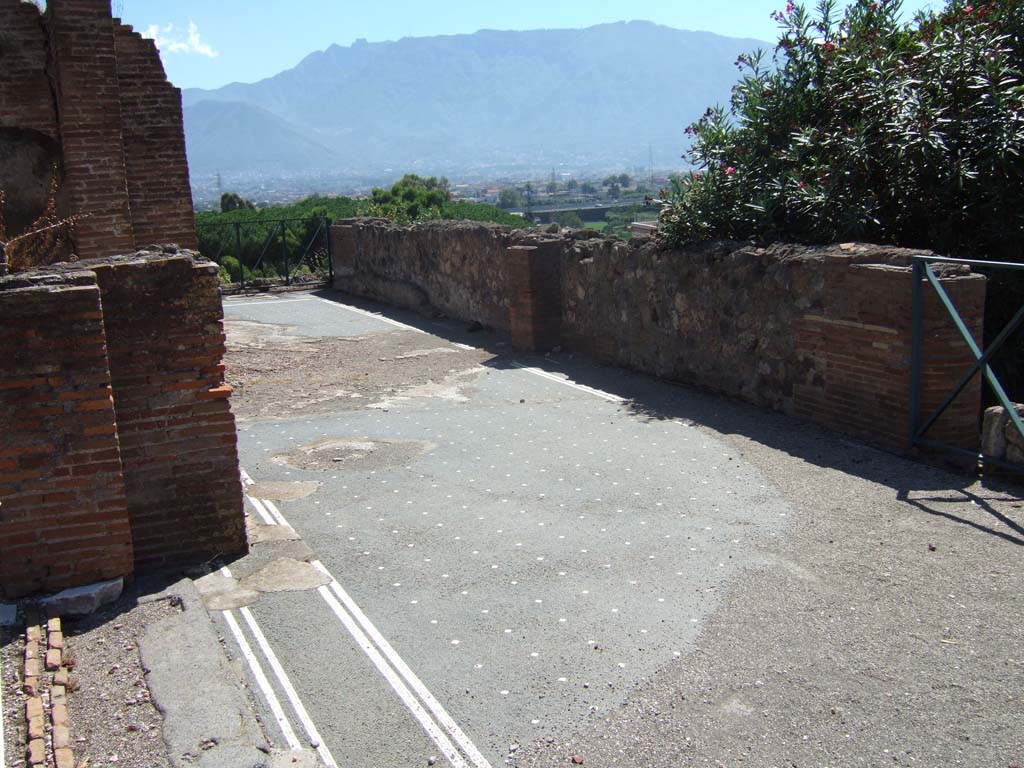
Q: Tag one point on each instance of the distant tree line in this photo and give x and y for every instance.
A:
(260, 247)
(613, 186)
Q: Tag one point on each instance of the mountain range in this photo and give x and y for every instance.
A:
(604, 96)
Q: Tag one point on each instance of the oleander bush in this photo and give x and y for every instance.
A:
(863, 127)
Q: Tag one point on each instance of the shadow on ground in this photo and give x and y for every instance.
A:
(921, 486)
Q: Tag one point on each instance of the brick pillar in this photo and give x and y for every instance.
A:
(163, 319)
(154, 145)
(857, 349)
(535, 291)
(343, 251)
(63, 514)
(946, 357)
(88, 100)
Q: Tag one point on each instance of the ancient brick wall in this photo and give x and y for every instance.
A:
(26, 98)
(29, 134)
(63, 512)
(89, 105)
(117, 441)
(823, 334)
(859, 345)
(535, 292)
(154, 145)
(98, 90)
(165, 338)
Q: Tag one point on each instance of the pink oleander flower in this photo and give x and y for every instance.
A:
(730, 171)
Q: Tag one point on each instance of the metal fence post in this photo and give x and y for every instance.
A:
(917, 343)
(284, 256)
(238, 252)
(330, 255)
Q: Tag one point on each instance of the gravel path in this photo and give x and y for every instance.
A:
(277, 374)
(12, 654)
(112, 719)
(885, 628)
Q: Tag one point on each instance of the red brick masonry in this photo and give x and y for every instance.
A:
(165, 342)
(78, 76)
(117, 441)
(63, 513)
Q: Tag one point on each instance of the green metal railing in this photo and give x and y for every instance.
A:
(282, 248)
(923, 273)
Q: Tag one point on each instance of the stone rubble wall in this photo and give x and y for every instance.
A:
(820, 333)
(457, 268)
(117, 442)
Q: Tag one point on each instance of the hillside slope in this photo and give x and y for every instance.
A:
(585, 97)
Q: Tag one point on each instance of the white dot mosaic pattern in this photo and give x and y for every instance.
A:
(542, 557)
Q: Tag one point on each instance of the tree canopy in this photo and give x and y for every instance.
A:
(412, 196)
(231, 201)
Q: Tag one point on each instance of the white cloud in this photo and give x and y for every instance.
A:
(169, 41)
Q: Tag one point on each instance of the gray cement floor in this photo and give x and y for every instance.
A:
(639, 576)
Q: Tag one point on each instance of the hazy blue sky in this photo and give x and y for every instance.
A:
(207, 44)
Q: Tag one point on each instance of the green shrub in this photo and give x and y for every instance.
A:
(230, 270)
(866, 128)
(569, 219)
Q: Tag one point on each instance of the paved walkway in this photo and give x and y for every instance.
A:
(527, 560)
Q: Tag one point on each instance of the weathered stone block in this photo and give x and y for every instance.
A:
(79, 601)
(1000, 438)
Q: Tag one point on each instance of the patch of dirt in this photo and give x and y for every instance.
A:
(285, 575)
(275, 374)
(292, 491)
(354, 453)
(113, 720)
(222, 593)
(259, 533)
(282, 574)
(456, 387)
